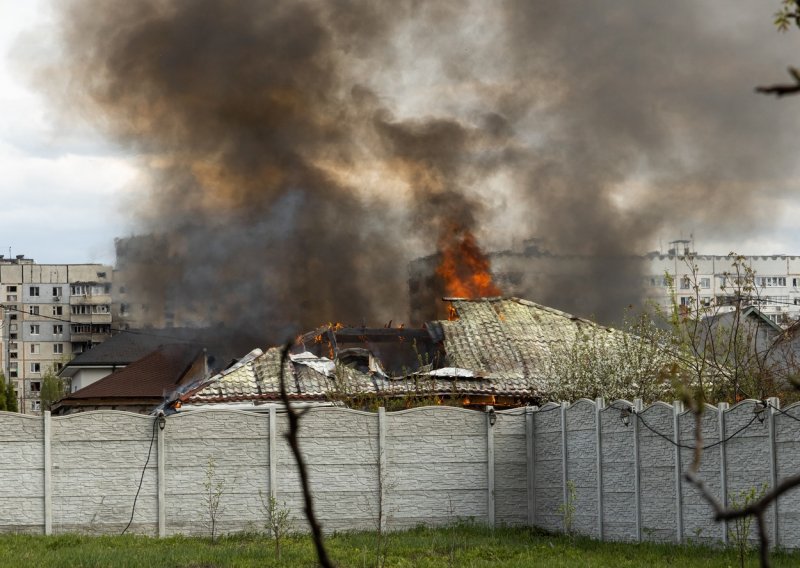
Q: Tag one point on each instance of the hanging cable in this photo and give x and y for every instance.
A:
(141, 479)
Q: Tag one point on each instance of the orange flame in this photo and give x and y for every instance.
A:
(464, 267)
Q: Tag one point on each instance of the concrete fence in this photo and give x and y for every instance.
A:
(433, 465)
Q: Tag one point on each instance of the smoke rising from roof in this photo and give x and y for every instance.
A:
(300, 153)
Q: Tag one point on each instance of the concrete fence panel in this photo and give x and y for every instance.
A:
(619, 473)
(511, 459)
(97, 465)
(22, 495)
(437, 466)
(657, 474)
(433, 465)
(548, 467)
(215, 451)
(341, 451)
(581, 465)
(787, 446)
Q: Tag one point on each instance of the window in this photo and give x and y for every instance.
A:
(56, 291)
(36, 367)
(77, 290)
(58, 348)
(36, 386)
(33, 310)
(34, 329)
(58, 329)
(35, 348)
(11, 288)
(59, 366)
(770, 281)
(12, 327)
(36, 405)
(123, 309)
(101, 274)
(81, 310)
(101, 309)
(11, 298)
(12, 335)
(686, 300)
(13, 317)
(58, 310)
(705, 283)
(34, 290)
(12, 355)
(685, 283)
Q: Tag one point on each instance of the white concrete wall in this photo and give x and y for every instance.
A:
(433, 465)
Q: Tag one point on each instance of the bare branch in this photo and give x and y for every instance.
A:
(291, 437)
(783, 89)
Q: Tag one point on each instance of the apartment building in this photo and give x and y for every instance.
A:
(692, 280)
(49, 313)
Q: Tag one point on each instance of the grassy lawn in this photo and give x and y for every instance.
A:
(458, 546)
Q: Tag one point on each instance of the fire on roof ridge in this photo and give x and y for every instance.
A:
(531, 304)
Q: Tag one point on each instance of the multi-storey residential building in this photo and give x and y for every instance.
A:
(49, 312)
(769, 282)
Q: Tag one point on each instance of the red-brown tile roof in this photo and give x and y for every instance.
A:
(153, 375)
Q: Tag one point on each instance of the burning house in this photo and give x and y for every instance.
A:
(490, 351)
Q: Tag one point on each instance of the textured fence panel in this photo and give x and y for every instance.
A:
(80, 473)
(657, 474)
(237, 443)
(97, 464)
(340, 448)
(548, 464)
(582, 465)
(787, 444)
(22, 472)
(436, 459)
(698, 522)
(510, 481)
(619, 496)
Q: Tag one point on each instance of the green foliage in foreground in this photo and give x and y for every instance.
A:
(467, 546)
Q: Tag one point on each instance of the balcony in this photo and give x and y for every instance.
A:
(90, 299)
(89, 337)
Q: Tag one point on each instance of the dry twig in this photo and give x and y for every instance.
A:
(291, 437)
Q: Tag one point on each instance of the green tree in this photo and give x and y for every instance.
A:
(3, 395)
(52, 389)
(11, 397)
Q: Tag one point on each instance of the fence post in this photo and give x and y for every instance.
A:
(677, 409)
(273, 466)
(564, 472)
(162, 490)
(529, 441)
(382, 472)
(599, 404)
(774, 404)
(637, 407)
(490, 464)
(48, 473)
(723, 467)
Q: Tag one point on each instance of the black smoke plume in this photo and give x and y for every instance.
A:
(300, 153)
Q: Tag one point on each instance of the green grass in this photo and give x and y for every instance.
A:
(467, 546)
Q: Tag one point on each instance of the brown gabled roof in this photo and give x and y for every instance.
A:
(153, 375)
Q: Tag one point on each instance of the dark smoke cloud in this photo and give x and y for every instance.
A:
(301, 153)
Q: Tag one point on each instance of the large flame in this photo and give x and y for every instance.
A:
(464, 267)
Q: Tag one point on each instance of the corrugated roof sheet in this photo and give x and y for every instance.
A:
(507, 337)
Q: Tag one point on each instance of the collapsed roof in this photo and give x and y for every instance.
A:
(491, 347)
